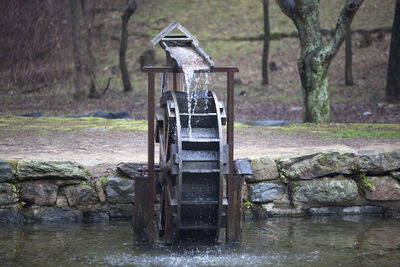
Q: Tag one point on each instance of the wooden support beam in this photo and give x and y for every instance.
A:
(157, 69)
(150, 139)
(144, 185)
(234, 216)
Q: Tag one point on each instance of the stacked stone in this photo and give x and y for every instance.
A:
(326, 183)
(322, 183)
(46, 191)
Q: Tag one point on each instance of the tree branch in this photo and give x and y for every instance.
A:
(288, 7)
(344, 21)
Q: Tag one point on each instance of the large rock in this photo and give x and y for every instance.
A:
(335, 191)
(263, 169)
(266, 192)
(5, 172)
(41, 169)
(129, 169)
(8, 194)
(42, 194)
(120, 190)
(330, 162)
(376, 162)
(386, 188)
(79, 194)
(317, 164)
(346, 210)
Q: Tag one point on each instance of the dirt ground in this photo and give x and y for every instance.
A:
(103, 146)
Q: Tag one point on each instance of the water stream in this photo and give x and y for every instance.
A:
(318, 241)
(194, 81)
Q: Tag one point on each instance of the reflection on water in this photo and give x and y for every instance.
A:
(318, 241)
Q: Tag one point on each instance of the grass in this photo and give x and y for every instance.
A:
(336, 131)
(14, 126)
(223, 19)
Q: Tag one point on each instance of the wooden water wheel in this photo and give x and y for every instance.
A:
(192, 161)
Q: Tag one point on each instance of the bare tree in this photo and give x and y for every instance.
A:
(83, 57)
(348, 71)
(266, 44)
(130, 9)
(393, 75)
(316, 56)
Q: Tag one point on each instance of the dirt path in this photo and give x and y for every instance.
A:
(104, 146)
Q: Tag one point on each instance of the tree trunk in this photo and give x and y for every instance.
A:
(316, 57)
(124, 43)
(393, 76)
(83, 57)
(314, 81)
(348, 75)
(266, 44)
(313, 69)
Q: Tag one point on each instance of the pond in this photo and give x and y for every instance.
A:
(316, 241)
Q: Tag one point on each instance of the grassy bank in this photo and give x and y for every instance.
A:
(20, 126)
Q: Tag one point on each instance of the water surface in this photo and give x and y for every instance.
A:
(318, 241)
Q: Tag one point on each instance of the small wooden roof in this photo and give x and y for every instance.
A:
(169, 29)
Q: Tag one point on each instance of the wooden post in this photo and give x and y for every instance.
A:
(144, 185)
(234, 216)
(143, 218)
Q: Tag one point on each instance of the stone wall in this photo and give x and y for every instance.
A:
(49, 191)
(321, 183)
(325, 183)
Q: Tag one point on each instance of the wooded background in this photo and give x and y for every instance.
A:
(38, 72)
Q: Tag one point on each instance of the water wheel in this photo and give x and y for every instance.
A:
(192, 161)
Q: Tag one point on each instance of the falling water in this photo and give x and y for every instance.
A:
(194, 80)
(192, 86)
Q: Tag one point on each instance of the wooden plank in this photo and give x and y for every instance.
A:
(225, 69)
(158, 69)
